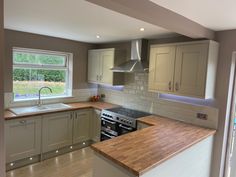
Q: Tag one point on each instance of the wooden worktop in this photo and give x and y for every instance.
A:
(8, 115)
(145, 149)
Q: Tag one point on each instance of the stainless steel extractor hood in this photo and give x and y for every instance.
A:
(138, 61)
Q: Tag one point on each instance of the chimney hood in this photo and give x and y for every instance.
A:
(138, 61)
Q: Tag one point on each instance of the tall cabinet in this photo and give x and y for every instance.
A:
(187, 69)
(100, 62)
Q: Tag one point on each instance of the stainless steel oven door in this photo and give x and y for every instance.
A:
(108, 127)
(106, 136)
(123, 129)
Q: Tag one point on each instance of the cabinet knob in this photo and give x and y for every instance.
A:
(71, 116)
(97, 77)
(23, 122)
(169, 85)
(176, 86)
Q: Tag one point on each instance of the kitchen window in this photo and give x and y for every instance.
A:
(33, 69)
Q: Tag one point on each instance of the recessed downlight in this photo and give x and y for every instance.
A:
(97, 36)
(141, 29)
(11, 164)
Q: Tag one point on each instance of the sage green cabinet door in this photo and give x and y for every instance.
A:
(190, 69)
(94, 66)
(96, 125)
(81, 126)
(23, 138)
(57, 131)
(161, 68)
(107, 62)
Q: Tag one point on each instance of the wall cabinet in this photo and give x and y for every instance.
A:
(57, 131)
(100, 62)
(187, 69)
(81, 126)
(96, 125)
(23, 138)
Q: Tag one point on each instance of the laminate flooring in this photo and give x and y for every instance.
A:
(74, 164)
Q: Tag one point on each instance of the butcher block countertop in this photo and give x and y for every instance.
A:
(142, 150)
(8, 115)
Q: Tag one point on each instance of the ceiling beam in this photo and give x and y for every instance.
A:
(152, 13)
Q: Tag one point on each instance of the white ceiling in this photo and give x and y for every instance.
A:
(213, 14)
(75, 19)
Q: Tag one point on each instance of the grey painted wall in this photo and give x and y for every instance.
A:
(2, 145)
(28, 40)
(227, 41)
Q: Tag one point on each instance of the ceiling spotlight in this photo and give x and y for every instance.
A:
(97, 36)
(141, 29)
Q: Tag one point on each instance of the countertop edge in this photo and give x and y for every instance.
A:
(177, 152)
(87, 105)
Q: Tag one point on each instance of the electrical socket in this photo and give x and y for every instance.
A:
(202, 116)
(103, 95)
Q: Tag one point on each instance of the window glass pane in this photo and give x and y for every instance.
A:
(27, 82)
(38, 59)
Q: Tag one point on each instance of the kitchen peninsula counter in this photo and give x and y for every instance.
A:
(143, 150)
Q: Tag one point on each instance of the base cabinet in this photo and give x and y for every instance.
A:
(39, 137)
(81, 126)
(23, 138)
(57, 131)
(96, 125)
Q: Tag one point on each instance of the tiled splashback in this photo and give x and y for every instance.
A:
(135, 95)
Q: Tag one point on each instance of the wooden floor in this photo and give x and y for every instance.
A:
(74, 164)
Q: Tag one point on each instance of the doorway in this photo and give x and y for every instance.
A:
(230, 161)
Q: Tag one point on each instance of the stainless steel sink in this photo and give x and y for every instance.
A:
(39, 109)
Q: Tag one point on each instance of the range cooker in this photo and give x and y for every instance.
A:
(118, 121)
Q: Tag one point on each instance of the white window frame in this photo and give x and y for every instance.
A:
(67, 66)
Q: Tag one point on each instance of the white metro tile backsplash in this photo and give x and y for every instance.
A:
(78, 95)
(135, 95)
